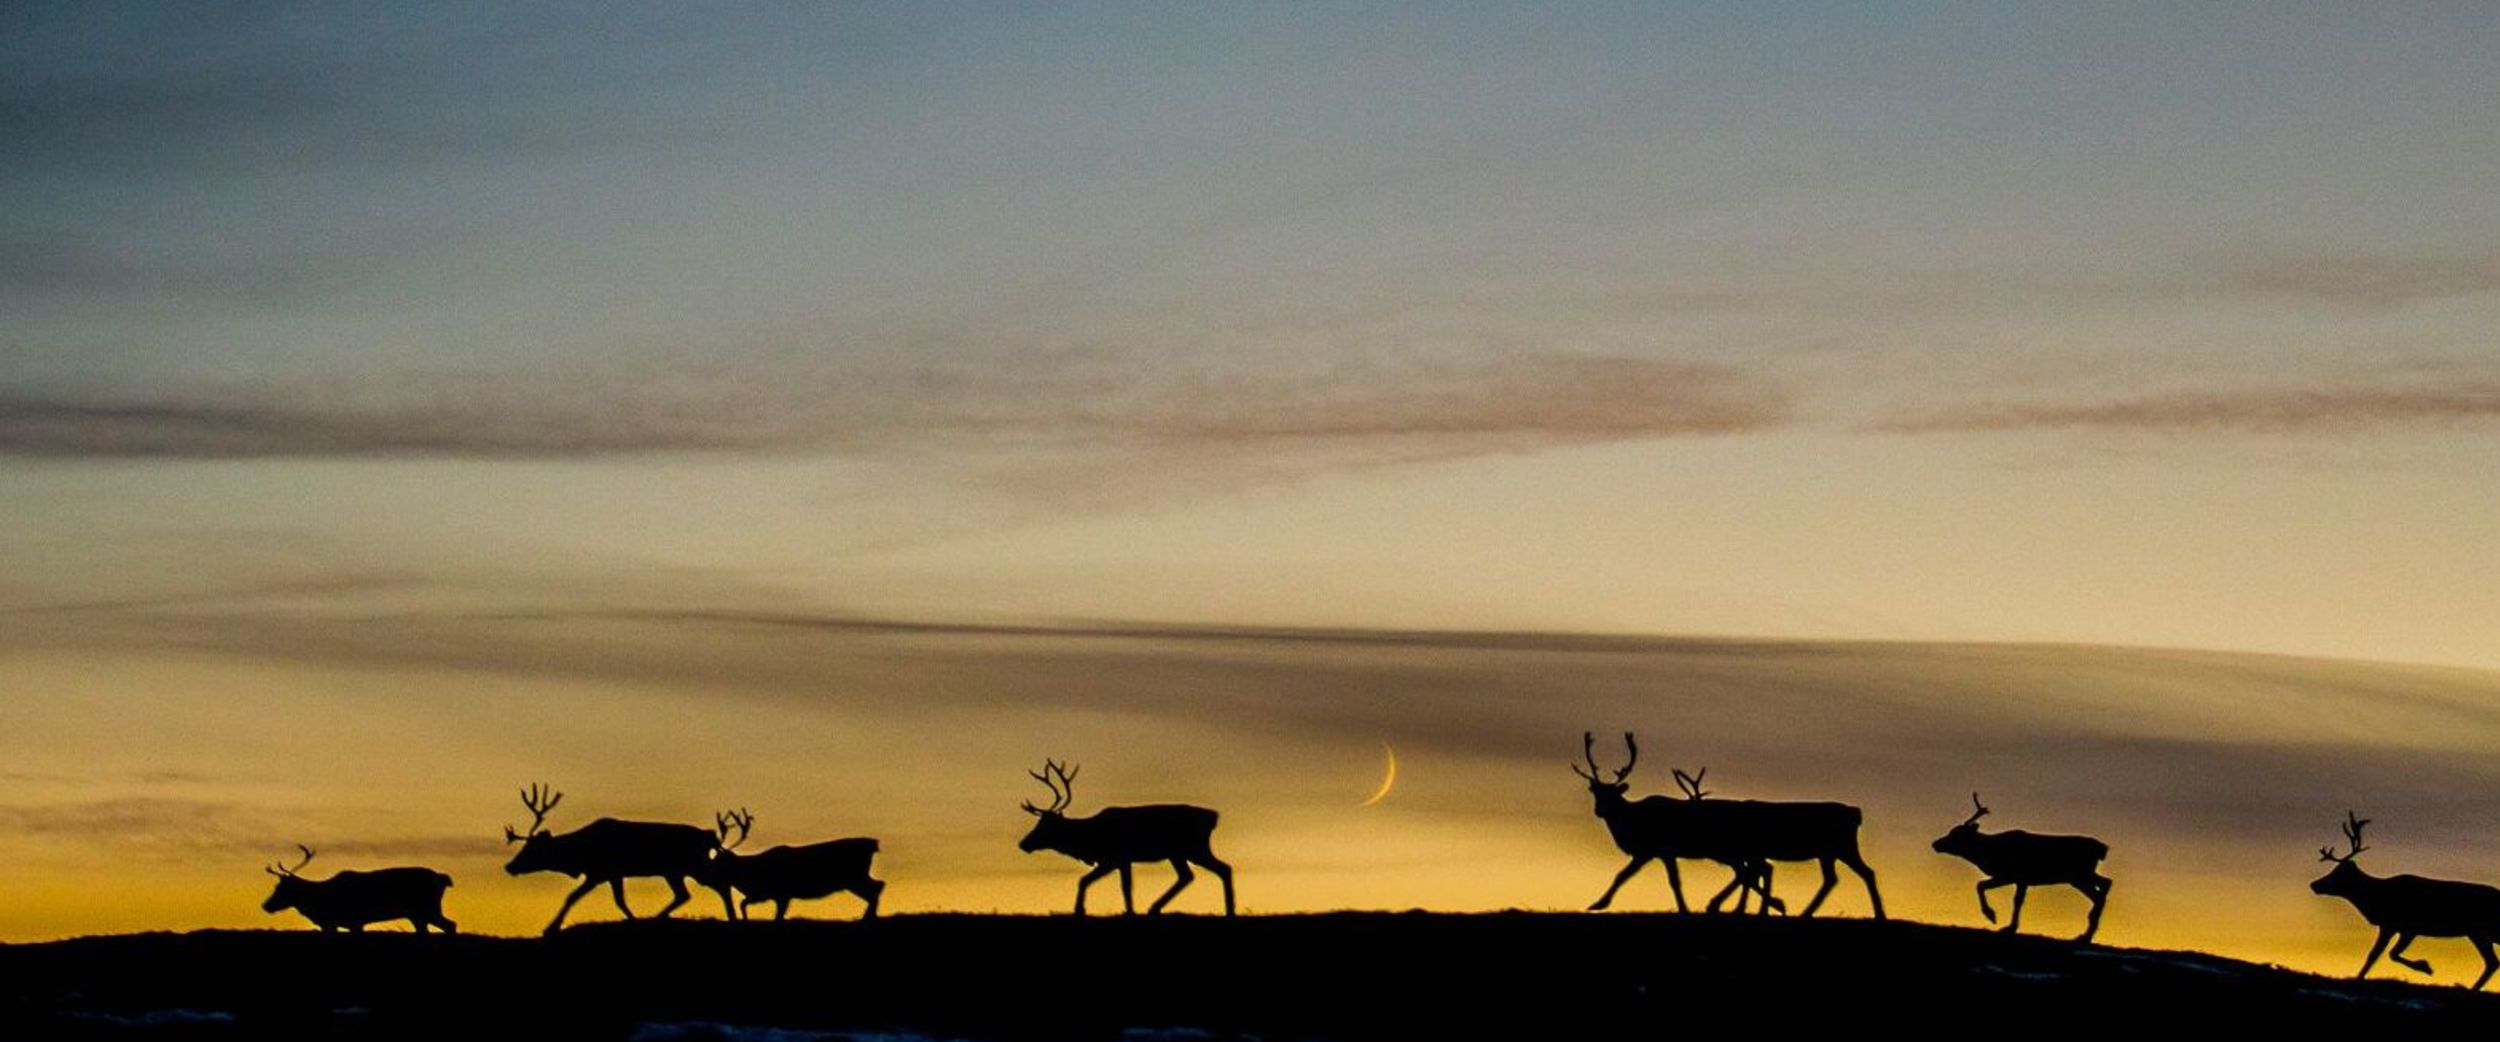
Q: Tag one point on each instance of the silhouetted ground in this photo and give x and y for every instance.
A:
(1345, 976)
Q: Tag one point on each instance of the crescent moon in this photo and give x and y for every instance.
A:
(1390, 780)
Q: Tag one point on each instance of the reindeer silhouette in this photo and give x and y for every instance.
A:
(1657, 828)
(784, 874)
(1116, 838)
(1740, 833)
(611, 851)
(2406, 907)
(351, 901)
(2023, 860)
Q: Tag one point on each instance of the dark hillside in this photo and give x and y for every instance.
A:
(1339, 976)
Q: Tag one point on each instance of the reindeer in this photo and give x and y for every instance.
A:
(611, 851)
(351, 900)
(2022, 860)
(1116, 838)
(2406, 907)
(1739, 833)
(1657, 828)
(785, 874)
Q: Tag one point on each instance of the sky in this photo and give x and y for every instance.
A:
(1935, 325)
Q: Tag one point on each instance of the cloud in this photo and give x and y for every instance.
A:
(1533, 400)
(227, 596)
(158, 826)
(2365, 280)
(165, 428)
(411, 847)
(1427, 408)
(2200, 747)
(2266, 411)
(173, 828)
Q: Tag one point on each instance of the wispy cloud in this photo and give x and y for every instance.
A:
(2274, 411)
(226, 596)
(2372, 281)
(155, 825)
(2111, 734)
(1518, 403)
(248, 427)
(173, 828)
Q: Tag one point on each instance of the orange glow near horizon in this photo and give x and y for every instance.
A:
(149, 790)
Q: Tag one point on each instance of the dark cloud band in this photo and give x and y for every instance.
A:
(2257, 411)
(1511, 404)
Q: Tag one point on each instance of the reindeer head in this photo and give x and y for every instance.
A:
(1608, 791)
(290, 891)
(533, 856)
(2345, 877)
(722, 870)
(1048, 821)
(1959, 841)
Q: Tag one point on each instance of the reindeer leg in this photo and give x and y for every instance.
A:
(2482, 946)
(567, 906)
(616, 889)
(1675, 882)
(1128, 890)
(869, 890)
(728, 910)
(1734, 886)
(2015, 922)
(1223, 874)
(2397, 955)
(1857, 864)
(1181, 876)
(2377, 946)
(781, 909)
(677, 887)
(1762, 878)
(1081, 884)
(1986, 885)
(1830, 879)
(1629, 870)
(2098, 891)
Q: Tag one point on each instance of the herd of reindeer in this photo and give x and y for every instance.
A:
(1746, 836)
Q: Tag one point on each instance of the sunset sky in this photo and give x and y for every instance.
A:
(694, 406)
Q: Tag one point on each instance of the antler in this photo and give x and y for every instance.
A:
(1588, 751)
(289, 872)
(1061, 781)
(2352, 835)
(1980, 810)
(1067, 785)
(1691, 783)
(539, 800)
(739, 819)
